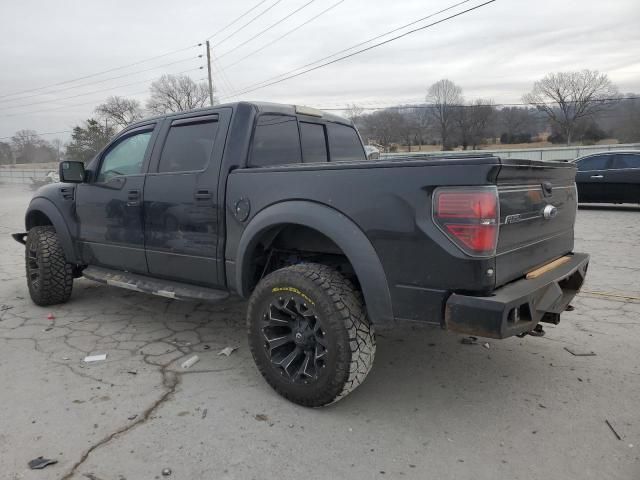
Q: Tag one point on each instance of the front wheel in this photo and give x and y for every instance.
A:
(309, 334)
(49, 276)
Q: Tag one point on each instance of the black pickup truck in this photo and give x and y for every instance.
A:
(279, 204)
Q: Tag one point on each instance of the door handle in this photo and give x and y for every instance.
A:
(133, 196)
(597, 176)
(203, 195)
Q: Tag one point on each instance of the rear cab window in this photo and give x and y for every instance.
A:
(344, 143)
(281, 139)
(276, 141)
(314, 142)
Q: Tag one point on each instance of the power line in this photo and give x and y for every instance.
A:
(247, 24)
(371, 47)
(266, 29)
(89, 93)
(73, 80)
(99, 81)
(41, 134)
(282, 36)
(428, 106)
(100, 73)
(236, 19)
(364, 42)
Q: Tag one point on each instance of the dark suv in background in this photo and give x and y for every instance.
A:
(610, 177)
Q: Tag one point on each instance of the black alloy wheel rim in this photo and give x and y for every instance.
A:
(294, 340)
(33, 267)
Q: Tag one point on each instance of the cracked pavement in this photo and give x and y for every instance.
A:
(431, 407)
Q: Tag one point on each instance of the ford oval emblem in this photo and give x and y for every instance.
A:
(549, 212)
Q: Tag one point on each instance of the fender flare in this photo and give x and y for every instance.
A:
(49, 209)
(337, 227)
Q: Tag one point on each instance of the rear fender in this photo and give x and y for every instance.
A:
(337, 227)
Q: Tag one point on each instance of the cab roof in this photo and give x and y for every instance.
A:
(261, 107)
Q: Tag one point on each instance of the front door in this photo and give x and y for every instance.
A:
(109, 205)
(181, 210)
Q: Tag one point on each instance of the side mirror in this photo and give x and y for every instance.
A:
(72, 172)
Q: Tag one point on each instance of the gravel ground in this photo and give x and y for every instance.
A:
(431, 408)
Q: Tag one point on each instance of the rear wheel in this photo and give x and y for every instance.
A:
(309, 334)
(49, 276)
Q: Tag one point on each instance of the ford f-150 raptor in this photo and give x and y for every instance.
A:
(279, 204)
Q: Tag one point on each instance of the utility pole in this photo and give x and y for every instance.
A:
(209, 72)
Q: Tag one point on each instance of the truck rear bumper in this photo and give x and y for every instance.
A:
(518, 306)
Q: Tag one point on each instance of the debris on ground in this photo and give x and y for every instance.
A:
(206, 347)
(261, 417)
(41, 462)
(570, 308)
(51, 316)
(132, 372)
(613, 429)
(486, 345)
(577, 353)
(48, 329)
(537, 331)
(95, 358)
(204, 413)
(190, 362)
(132, 417)
(5, 307)
(469, 341)
(227, 351)
(166, 472)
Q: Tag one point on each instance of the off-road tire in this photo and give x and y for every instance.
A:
(339, 308)
(49, 276)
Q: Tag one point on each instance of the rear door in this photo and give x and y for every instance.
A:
(623, 178)
(181, 210)
(591, 179)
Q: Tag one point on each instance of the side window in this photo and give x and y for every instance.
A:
(275, 141)
(625, 160)
(125, 158)
(314, 143)
(188, 146)
(597, 162)
(344, 143)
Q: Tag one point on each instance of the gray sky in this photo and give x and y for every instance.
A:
(495, 52)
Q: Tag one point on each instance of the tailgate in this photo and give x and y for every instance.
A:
(538, 203)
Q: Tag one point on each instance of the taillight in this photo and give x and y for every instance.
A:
(469, 217)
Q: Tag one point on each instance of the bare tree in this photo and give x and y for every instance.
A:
(444, 96)
(473, 122)
(384, 126)
(177, 93)
(6, 155)
(29, 147)
(568, 97)
(353, 112)
(120, 111)
(56, 145)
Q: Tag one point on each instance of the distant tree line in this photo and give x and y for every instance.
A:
(562, 108)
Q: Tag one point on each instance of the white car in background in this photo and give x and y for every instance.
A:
(372, 152)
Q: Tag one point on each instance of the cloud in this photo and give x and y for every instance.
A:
(497, 51)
